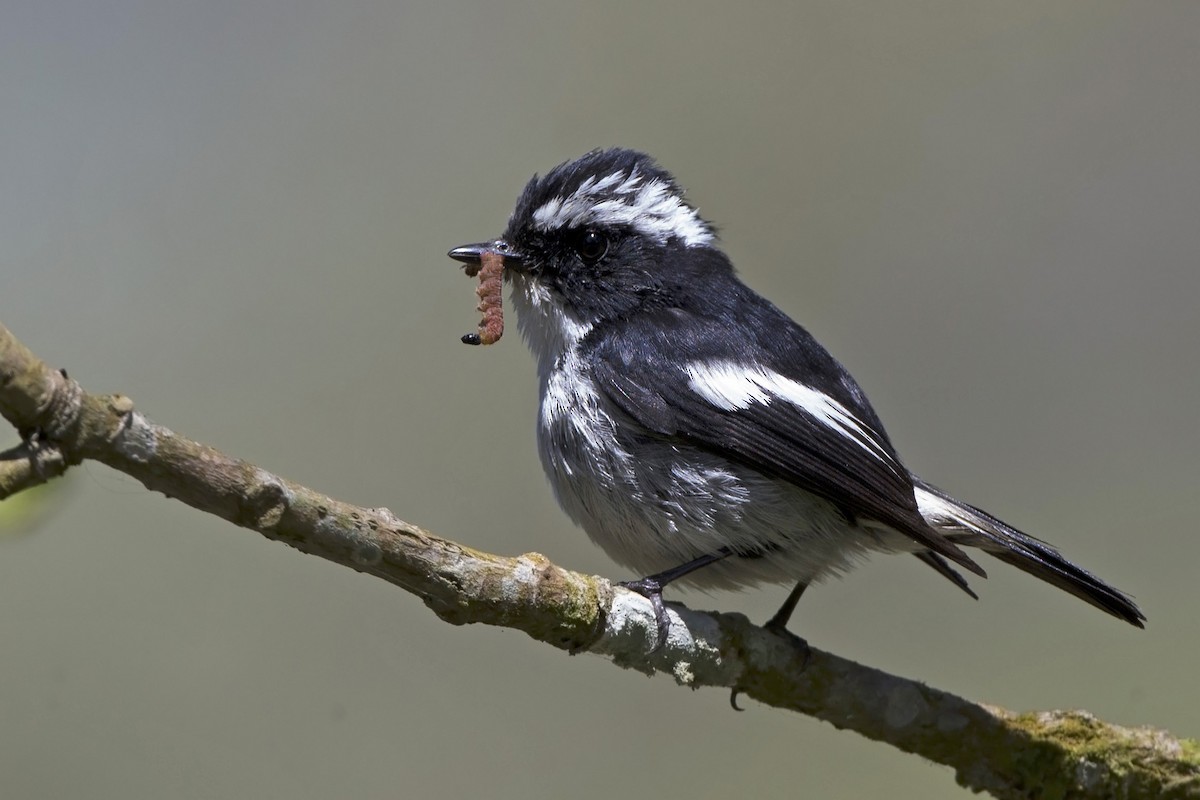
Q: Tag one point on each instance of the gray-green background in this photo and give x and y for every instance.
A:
(237, 213)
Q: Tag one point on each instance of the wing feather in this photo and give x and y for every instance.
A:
(763, 422)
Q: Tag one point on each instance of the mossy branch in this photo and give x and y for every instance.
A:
(1050, 754)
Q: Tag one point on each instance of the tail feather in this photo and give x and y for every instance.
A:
(965, 524)
(945, 570)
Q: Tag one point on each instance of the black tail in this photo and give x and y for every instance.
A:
(965, 524)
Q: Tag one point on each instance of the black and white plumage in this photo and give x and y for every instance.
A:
(691, 428)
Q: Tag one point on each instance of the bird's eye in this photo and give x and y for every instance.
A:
(591, 245)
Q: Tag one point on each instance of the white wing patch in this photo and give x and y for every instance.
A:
(731, 387)
(621, 198)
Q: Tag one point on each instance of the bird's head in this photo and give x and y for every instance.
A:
(596, 239)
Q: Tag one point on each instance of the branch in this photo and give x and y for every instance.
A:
(1052, 754)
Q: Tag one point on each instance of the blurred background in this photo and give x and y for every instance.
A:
(238, 212)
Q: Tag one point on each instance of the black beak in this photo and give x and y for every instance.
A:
(471, 253)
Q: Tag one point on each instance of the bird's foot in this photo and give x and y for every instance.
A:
(651, 589)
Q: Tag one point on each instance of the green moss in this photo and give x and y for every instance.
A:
(1074, 755)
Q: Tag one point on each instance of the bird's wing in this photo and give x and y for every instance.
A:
(680, 378)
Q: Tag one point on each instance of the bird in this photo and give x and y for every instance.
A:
(697, 433)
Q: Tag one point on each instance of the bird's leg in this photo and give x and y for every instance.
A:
(651, 586)
(777, 625)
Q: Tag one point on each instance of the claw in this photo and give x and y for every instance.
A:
(651, 589)
(651, 586)
(778, 626)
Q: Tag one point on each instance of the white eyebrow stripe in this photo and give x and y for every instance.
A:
(651, 208)
(733, 387)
